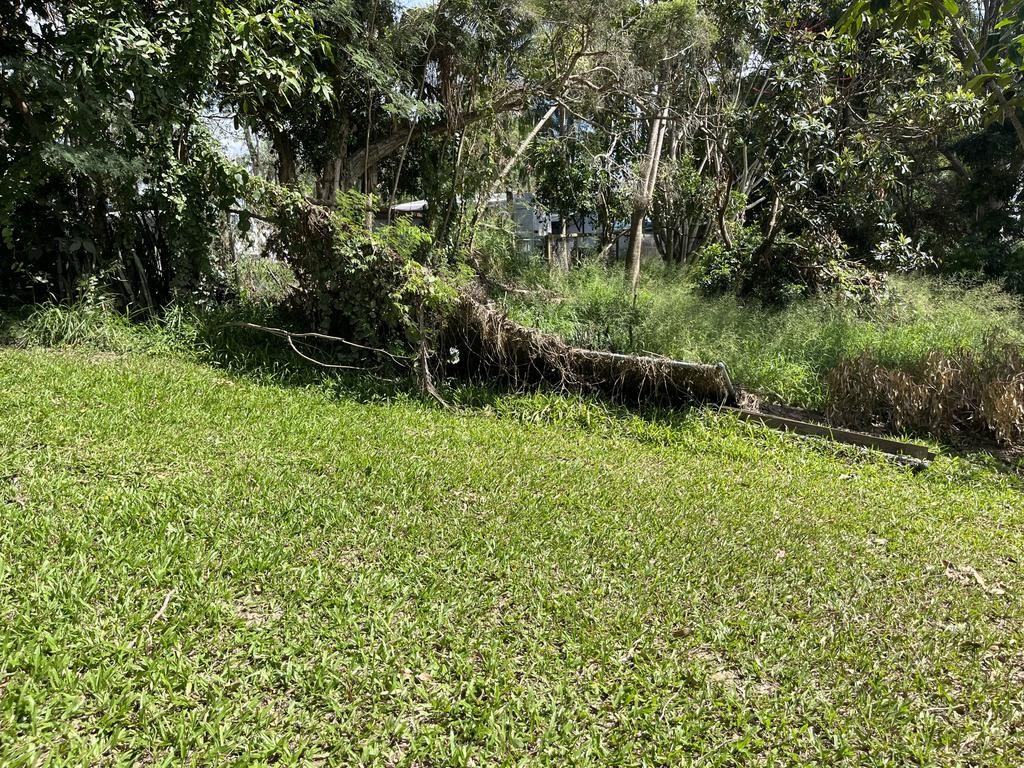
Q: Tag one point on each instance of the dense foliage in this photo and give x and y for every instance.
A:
(109, 169)
(777, 145)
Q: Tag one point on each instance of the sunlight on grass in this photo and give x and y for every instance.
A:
(198, 568)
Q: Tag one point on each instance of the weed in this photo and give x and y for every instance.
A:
(783, 353)
(946, 395)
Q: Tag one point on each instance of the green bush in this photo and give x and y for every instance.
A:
(717, 268)
(795, 267)
(364, 285)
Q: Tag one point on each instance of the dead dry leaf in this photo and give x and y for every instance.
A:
(968, 575)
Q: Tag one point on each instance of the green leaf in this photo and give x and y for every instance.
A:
(976, 83)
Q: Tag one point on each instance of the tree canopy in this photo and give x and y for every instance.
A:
(774, 145)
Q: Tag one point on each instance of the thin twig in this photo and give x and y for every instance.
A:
(310, 335)
(308, 359)
(163, 608)
(426, 378)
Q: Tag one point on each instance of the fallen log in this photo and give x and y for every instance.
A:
(912, 454)
(493, 347)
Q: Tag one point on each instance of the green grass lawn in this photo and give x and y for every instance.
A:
(198, 569)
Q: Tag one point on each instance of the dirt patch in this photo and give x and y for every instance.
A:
(728, 677)
(256, 610)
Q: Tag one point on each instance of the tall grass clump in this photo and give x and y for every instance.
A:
(588, 307)
(784, 353)
(91, 323)
(207, 334)
(972, 393)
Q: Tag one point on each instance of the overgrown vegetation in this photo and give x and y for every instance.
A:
(782, 352)
(785, 146)
(967, 392)
(781, 150)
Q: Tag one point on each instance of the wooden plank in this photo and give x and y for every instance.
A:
(893, 447)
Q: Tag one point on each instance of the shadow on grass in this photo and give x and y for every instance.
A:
(210, 337)
(213, 337)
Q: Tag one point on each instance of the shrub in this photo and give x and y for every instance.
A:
(366, 285)
(719, 269)
(796, 267)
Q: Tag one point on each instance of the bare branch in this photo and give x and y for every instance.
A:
(289, 335)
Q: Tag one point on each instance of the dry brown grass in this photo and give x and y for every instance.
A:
(964, 394)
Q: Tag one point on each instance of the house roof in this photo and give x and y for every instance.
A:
(416, 206)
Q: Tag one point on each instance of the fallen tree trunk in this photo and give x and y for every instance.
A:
(492, 347)
(353, 282)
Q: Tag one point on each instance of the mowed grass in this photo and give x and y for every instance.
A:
(197, 569)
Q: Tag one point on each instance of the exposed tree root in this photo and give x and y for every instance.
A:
(492, 347)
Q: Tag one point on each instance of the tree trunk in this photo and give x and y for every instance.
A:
(370, 184)
(642, 202)
(771, 232)
(564, 258)
(332, 174)
(635, 246)
(723, 209)
(287, 173)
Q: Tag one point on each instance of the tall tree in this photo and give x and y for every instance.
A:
(107, 164)
(663, 34)
(989, 39)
